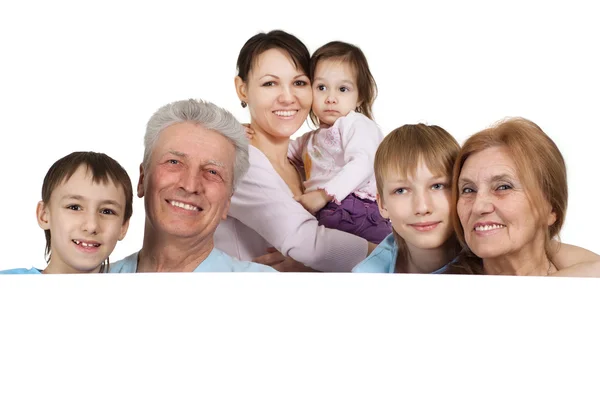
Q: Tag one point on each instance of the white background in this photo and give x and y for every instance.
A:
(88, 75)
(77, 76)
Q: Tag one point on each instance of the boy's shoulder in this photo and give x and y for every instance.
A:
(21, 270)
(382, 259)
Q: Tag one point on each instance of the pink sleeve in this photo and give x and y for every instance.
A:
(262, 202)
(360, 139)
(296, 148)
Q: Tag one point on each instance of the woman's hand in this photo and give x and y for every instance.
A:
(281, 263)
(314, 201)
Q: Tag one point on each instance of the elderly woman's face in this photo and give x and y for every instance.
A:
(279, 95)
(493, 208)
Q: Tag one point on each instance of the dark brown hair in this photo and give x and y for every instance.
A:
(101, 166)
(276, 39)
(348, 53)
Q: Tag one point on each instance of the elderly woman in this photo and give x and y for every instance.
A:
(273, 83)
(510, 192)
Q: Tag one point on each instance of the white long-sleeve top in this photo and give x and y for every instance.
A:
(339, 159)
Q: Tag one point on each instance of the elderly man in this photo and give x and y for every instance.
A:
(194, 153)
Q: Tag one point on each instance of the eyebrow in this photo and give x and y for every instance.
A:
(497, 177)
(215, 163)
(345, 81)
(276, 77)
(176, 153)
(81, 198)
(405, 180)
(462, 181)
(502, 177)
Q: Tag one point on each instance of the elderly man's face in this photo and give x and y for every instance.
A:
(188, 184)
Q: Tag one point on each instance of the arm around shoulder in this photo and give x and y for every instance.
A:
(566, 256)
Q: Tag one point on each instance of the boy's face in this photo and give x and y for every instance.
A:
(85, 220)
(418, 207)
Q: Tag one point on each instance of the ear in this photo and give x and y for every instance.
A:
(226, 209)
(551, 218)
(124, 229)
(382, 210)
(43, 216)
(241, 88)
(140, 186)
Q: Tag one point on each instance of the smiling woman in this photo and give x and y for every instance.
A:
(273, 82)
(510, 191)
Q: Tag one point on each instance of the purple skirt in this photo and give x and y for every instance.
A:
(356, 216)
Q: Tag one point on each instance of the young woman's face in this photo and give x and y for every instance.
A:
(278, 94)
(494, 209)
(418, 207)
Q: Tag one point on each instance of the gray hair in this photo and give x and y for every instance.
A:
(209, 116)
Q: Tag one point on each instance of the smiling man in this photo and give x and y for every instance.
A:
(194, 154)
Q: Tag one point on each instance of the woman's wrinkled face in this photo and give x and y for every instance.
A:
(495, 212)
(278, 94)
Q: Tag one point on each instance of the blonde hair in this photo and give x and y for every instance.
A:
(539, 163)
(401, 151)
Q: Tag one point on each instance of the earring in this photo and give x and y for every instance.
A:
(244, 104)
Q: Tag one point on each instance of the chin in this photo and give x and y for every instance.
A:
(486, 252)
(426, 243)
(86, 267)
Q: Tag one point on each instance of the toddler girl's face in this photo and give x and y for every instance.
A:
(418, 207)
(335, 90)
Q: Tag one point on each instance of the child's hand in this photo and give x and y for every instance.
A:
(249, 131)
(314, 201)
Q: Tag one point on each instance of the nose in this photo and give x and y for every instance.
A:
(330, 99)
(286, 96)
(191, 181)
(483, 203)
(90, 222)
(422, 203)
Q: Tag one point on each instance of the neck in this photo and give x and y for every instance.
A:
(166, 253)
(59, 267)
(528, 261)
(275, 149)
(429, 260)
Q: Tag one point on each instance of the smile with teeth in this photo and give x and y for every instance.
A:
(85, 244)
(489, 227)
(185, 206)
(285, 113)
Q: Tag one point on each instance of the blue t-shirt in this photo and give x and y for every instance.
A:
(21, 271)
(217, 261)
(383, 259)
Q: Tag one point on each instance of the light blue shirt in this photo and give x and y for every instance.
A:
(383, 259)
(21, 271)
(217, 261)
